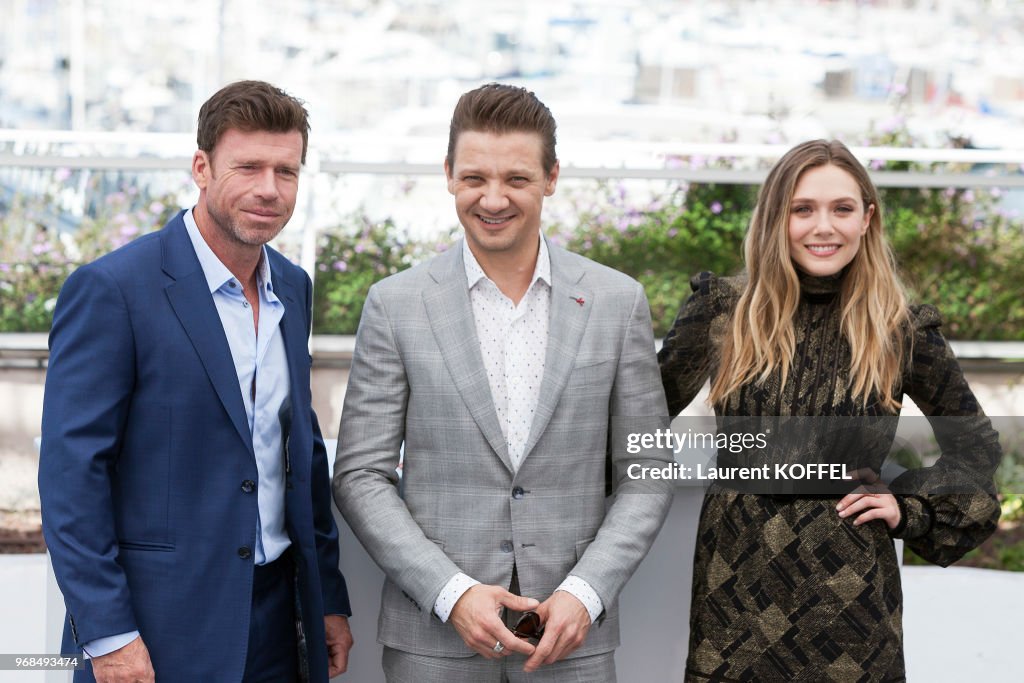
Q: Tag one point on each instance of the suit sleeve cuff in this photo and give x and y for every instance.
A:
(585, 593)
(104, 646)
(450, 594)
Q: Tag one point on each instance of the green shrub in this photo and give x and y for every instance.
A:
(350, 259)
(36, 258)
(956, 248)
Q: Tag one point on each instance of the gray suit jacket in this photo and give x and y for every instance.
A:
(418, 376)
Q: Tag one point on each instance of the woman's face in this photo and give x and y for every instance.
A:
(826, 220)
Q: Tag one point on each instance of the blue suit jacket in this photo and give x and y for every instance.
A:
(145, 447)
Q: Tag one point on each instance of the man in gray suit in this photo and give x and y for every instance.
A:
(500, 365)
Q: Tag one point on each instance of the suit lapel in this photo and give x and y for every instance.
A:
(189, 296)
(571, 304)
(451, 319)
(294, 335)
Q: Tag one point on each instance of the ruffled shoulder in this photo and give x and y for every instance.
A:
(714, 293)
(925, 317)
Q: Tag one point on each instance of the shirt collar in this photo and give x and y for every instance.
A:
(216, 273)
(474, 273)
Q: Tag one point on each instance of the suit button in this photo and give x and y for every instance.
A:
(518, 492)
(248, 486)
(244, 552)
(506, 546)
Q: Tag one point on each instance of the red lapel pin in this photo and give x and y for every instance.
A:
(577, 299)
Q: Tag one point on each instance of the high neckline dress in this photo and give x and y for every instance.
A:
(783, 588)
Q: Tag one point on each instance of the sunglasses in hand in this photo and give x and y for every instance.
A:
(529, 627)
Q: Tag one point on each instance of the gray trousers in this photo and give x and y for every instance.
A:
(405, 667)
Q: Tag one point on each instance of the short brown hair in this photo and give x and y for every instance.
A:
(499, 108)
(251, 106)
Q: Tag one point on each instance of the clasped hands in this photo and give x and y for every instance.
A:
(477, 619)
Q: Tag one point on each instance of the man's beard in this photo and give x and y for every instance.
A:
(244, 234)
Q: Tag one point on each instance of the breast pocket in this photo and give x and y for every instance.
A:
(593, 375)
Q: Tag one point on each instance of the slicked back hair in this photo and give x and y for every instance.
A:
(499, 108)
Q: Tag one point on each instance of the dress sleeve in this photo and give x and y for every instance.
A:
(688, 353)
(950, 507)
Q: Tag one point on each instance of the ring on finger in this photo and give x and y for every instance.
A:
(498, 648)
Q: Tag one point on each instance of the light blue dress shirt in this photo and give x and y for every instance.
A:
(261, 364)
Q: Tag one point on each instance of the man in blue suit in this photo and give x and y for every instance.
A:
(184, 483)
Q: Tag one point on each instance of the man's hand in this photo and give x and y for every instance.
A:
(476, 617)
(339, 642)
(130, 664)
(566, 623)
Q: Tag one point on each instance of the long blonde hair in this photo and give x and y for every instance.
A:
(874, 315)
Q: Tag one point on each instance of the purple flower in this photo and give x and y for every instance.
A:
(40, 248)
(969, 196)
(340, 266)
(5, 267)
(877, 164)
(360, 248)
(716, 208)
(128, 231)
(156, 208)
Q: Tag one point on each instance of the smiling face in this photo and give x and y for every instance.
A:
(827, 219)
(248, 185)
(499, 185)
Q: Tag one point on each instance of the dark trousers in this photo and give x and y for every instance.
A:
(272, 656)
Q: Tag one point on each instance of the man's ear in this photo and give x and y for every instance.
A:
(552, 180)
(201, 169)
(448, 175)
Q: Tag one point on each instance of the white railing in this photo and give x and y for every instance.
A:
(656, 155)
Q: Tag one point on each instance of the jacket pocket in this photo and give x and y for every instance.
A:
(146, 546)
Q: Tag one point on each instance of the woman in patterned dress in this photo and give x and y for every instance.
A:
(806, 586)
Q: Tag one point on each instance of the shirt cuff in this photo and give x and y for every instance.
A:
(585, 593)
(104, 646)
(450, 594)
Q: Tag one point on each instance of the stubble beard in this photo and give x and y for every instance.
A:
(231, 227)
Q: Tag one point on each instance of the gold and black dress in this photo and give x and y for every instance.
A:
(783, 588)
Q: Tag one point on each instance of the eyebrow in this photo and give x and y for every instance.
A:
(265, 162)
(837, 199)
